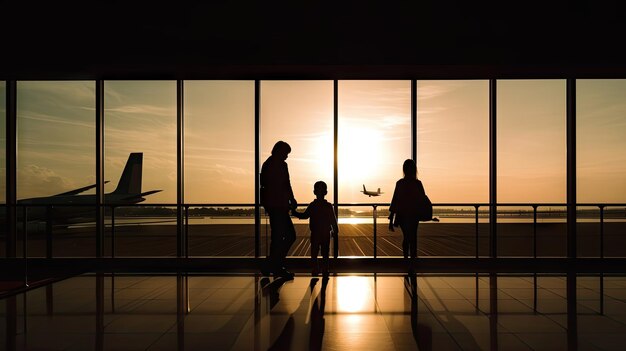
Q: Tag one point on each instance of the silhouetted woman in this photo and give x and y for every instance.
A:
(404, 207)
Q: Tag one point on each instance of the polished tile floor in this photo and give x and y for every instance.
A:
(345, 312)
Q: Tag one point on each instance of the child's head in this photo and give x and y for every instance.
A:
(320, 189)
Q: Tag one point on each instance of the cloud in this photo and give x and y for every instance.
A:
(216, 168)
(430, 91)
(76, 90)
(142, 109)
(35, 181)
(40, 117)
(394, 121)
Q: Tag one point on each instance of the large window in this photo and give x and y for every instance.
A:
(140, 118)
(531, 141)
(374, 140)
(219, 142)
(56, 150)
(219, 166)
(56, 155)
(601, 164)
(56, 137)
(453, 140)
(531, 156)
(301, 114)
(2, 165)
(453, 162)
(3, 142)
(601, 140)
(374, 137)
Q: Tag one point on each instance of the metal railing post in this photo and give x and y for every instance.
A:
(112, 231)
(601, 231)
(534, 256)
(25, 245)
(49, 231)
(476, 236)
(186, 237)
(534, 231)
(375, 215)
(602, 257)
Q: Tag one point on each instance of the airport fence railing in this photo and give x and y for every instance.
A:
(242, 230)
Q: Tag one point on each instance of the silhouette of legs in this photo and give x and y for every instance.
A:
(409, 240)
(325, 247)
(316, 246)
(283, 236)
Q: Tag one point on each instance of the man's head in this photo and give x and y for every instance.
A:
(281, 149)
(320, 189)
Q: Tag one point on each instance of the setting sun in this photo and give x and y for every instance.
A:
(360, 152)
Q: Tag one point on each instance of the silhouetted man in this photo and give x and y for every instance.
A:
(277, 199)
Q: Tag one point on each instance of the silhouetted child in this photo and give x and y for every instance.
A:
(323, 224)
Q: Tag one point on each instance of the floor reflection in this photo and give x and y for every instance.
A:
(353, 312)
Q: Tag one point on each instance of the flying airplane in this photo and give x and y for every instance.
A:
(127, 192)
(371, 193)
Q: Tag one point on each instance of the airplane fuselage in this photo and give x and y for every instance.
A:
(68, 209)
(79, 200)
(370, 193)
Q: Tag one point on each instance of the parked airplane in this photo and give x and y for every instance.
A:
(127, 192)
(371, 193)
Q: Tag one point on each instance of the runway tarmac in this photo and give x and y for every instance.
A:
(434, 239)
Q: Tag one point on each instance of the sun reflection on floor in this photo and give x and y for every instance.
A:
(353, 294)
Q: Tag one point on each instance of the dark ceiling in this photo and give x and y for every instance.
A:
(311, 39)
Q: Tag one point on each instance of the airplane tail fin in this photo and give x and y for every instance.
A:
(130, 181)
(364, 188)
(379, 190)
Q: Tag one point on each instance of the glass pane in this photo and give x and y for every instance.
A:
(56, 166)
(221, 231)
(552, 231)
(2, 165)
(613, 231)
(356, 231)
(531, 141)
(141, 231)
(600, 141)
(457, 233)
(588, 228)
(3, 125)
(515, 231)
(453, 140)
(140, 165)
(301, 114)
(520, 236)
(219, 142)
(374, 138)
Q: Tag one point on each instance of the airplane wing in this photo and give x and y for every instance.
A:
(79, 190)
(138, 197)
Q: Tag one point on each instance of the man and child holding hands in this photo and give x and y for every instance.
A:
(406, 210)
